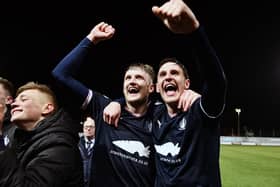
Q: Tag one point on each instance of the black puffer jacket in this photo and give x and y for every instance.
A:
(47, 156)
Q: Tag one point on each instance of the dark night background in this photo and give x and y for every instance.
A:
(34, 37)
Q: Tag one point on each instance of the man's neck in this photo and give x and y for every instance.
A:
(138, 110)
(172, 110)
(29, 125)
(89, 138)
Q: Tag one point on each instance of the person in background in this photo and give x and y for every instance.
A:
(2, 114)
(6, 98)
(86, 146)
(44, 149)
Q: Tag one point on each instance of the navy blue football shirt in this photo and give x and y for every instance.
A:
(123, 156)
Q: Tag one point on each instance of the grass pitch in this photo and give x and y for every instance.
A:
(250, 166)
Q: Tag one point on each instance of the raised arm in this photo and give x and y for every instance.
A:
(214, 80)
(66, 70)
(180, 19)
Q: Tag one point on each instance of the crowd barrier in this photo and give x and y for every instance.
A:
(264, 141)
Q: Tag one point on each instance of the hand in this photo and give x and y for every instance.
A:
(177, 16)
(112, 113)
(187, 99)
(100, 32)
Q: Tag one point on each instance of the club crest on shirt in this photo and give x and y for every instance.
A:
(6, 140)
(133, 146)
(150, 126)
(159, 123)
(182, 124)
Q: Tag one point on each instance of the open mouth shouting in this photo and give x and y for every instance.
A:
(170, 89)
(133, 90)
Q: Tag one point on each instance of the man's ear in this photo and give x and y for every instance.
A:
(48, 108)
(187, 84)
(152, 88)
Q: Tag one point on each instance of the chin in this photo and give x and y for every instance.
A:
(133, 99)
(12, 119)
(15, 119)
(170, 99)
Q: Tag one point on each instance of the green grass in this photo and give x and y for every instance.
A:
(250, 166)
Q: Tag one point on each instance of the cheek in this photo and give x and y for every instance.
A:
(157, 88)
(158, 85)
(124, 87)
(33, 110)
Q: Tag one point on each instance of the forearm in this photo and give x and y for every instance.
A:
(214, 79)
(69, 67)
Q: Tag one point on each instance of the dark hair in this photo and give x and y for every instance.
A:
(176, 61)
(8, 86)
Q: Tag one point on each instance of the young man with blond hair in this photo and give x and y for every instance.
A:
(43, 151)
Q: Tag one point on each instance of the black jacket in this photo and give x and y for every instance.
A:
(47, 156)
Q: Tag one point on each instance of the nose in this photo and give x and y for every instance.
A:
(14, 104)
(133, 78)
(132, 81)
(167, 77)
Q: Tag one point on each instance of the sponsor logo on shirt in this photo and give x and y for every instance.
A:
(133, 147)
(168, 148)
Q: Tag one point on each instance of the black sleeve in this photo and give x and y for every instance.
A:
(8, 166)
(121, 101)
(68, 68)
(48, 168)
(213, 76)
